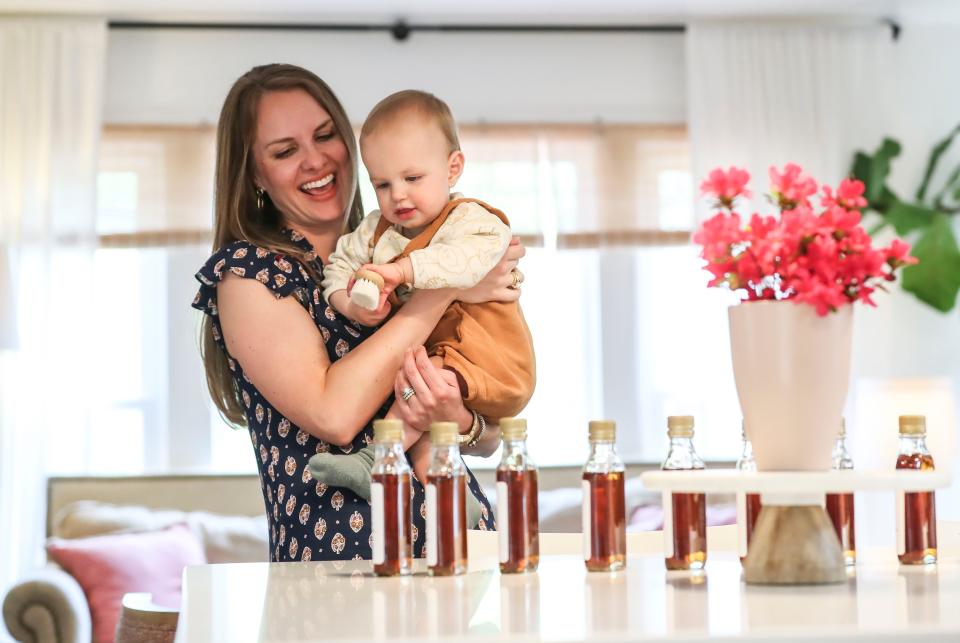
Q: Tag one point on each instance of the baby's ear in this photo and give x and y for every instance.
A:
(454, 167)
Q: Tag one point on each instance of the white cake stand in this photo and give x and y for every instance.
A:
(793, 541)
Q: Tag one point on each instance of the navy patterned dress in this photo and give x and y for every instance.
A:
(308, 519)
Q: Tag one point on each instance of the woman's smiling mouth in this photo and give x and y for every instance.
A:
(315, 188)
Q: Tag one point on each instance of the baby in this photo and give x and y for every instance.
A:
(422, 237)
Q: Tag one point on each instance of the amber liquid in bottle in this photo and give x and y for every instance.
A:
(753, 511)
(396, 555)
(689, 531)
(919, 516)
(447, 545)
(840, 510)
(522, 521)
(685, 514)
(607, 523)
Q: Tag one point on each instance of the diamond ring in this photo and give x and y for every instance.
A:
(407, 393)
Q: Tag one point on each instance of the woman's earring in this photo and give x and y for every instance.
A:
(259, 192)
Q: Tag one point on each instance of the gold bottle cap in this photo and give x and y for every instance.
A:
(913, 425)
(603, 430)
(444, 433)
(388, 430)
(513, 429)
(680, 426)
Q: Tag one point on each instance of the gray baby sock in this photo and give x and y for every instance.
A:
(351, 470)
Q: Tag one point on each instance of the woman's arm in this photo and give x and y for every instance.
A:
(437, 398)
(488, 442)
(281, 352)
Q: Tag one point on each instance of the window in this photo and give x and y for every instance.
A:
(623, 325)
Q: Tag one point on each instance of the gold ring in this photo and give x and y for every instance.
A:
(517, 278)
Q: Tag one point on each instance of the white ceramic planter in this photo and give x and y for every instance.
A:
(792, 370)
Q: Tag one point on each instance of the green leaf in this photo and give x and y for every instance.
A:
(936, 279)
(886, 200)
(938, 150)
(861, 166)
(879, 169)
(953, 183)
(907, 217)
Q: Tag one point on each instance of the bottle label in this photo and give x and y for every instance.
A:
(431, 525)
(667, 524)
(587, 517)
(378, 527)
(503, 521)
(901, 524)
(742, 523)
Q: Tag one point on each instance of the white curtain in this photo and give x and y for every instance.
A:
(50, 122)
(769, 94)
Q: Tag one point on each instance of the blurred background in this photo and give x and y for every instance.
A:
(588, 123)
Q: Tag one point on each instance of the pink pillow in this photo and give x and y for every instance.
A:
(109, 566)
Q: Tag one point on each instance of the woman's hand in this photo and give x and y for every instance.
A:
(436, 394)
(501, 283)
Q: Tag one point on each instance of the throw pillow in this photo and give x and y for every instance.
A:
(109, 566)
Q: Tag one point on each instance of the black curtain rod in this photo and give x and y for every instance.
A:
(400, 30)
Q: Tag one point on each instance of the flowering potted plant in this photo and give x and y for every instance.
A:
(797, 273)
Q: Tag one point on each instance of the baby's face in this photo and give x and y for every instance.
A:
(411, 170)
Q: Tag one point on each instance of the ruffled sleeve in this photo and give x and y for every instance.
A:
(277, 272)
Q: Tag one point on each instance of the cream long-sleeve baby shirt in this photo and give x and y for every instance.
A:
(464, 249)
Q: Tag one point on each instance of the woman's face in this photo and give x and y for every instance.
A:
(301, 160)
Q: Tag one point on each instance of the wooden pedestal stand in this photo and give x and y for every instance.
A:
(793, 542)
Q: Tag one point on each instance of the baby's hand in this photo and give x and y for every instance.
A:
(392, 273)
(341, 301)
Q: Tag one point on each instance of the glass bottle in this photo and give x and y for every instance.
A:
(390, 501)
(518, 519)
(748, 504)
(446, 503)
(604, 504)
(840, 506)
(684, 514)
(916, 511)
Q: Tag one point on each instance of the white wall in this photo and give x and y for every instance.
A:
(167, 76)
(904, 338)
(182, 76)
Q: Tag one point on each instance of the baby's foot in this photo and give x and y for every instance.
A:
(351, 471)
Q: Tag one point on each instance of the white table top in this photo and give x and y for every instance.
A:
(563, 602)
(731, 480)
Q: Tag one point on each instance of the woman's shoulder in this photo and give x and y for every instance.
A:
(282, 274)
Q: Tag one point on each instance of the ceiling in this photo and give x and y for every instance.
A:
(452, 12)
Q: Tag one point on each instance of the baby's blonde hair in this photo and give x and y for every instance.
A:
(419, 102)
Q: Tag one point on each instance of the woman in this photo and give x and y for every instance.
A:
(302, 378)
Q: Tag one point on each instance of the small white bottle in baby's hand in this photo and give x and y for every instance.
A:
(366, 289)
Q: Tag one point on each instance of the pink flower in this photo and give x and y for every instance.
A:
(849, 195)
(725, 187)
(791, 188)
(822, 257)
(838, 221)
(898, 254)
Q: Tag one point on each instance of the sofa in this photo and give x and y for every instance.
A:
(224, 515)
(213, 518)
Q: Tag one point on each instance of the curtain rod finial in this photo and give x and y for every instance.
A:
(894, 28)
(400, 30)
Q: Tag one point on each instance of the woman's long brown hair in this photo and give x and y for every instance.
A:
(236, 215)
